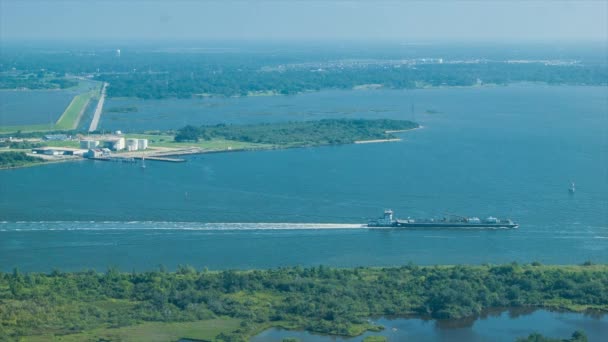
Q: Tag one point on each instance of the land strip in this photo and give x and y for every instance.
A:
(233, 138)
(98, 109)
(73, 113)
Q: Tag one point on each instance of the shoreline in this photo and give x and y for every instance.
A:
(194, 150)
(376, 141)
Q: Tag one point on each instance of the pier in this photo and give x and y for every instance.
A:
(135, 159)
(163, 159)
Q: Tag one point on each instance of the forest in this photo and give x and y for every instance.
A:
(241, 82)
(38, 80)
(304, 133)
(10, 159)
(167, 74)
(319, 299)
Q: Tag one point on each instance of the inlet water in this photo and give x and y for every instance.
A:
(502, 151)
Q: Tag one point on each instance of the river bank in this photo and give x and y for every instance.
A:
(238, 138)
(321, 299)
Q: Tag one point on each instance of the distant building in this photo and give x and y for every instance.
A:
(47, 151)
(58, 151)
(56, 137)
(89, 144)
(93, 153)
(142, 144)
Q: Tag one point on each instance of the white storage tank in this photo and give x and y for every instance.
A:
(88, 144)
(142, 144)
(132, 144)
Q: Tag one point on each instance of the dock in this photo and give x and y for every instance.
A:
(134, 159)
(163, 159)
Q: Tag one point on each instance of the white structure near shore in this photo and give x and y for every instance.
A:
(113, 143)
(88, 144)
(131, 144)
(134, 144)
(142, 144)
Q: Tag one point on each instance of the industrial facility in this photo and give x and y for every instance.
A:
(114, 143)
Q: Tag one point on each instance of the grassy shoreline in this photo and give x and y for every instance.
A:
(259, 137)
(335, 301)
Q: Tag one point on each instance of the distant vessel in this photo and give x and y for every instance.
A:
(572, 188)
(143, 161)
(387, 221)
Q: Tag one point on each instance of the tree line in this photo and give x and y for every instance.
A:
(10, 159)
(318, 299)
(303, 133)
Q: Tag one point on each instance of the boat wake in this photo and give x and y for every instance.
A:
(156, 225)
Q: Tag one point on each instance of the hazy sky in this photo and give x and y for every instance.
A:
(405, 21)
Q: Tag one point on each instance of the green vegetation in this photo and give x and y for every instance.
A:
(290, 339)
(126, 109)
(318, 299)
(306, 133)
(168, 140)
(205, 330)
(11, 159)
(35, 80)
(151, 73)
(244, 80)
(72, 114)
(577, 336)
(15, 130)
(20, 145)
(375, 339)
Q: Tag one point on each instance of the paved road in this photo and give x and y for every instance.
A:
(98, 109)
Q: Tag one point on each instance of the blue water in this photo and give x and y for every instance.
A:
(33, 107)
(504, 151)
(504, 326)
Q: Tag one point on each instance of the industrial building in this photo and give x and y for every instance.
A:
(59, 151)
(97, 153)
(89, 144)
(142, 144)
(131, 144)
(113, 143)
(134, 144)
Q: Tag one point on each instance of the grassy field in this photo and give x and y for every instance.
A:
(205, 330)
(166, 140)
(59, 143)
(26, 128)
(71, 116)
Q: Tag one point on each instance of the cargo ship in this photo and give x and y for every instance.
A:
(453, 221)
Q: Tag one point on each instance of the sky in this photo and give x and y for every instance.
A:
(292, 20)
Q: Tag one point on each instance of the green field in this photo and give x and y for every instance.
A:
(205, 330)
(71, 116)
(167, 140)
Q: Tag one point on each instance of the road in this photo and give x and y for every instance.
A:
(98, 109)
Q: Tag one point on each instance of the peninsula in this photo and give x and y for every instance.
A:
(71, 146)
